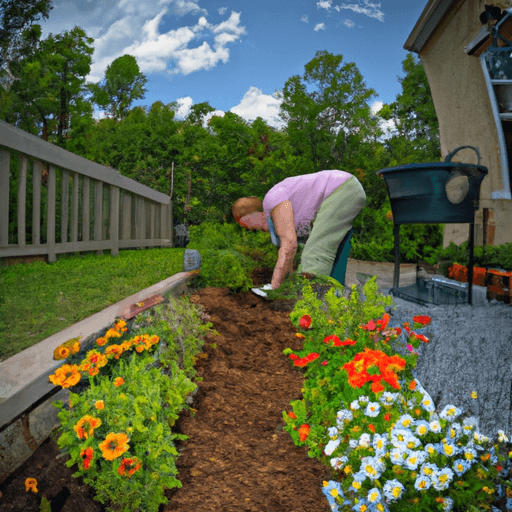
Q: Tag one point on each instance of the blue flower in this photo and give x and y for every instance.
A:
(374, 496)
(357, 507)
(428, 469)
(415, 459)
(388, 398)
(460, 466)
(372, 467)
(470, 454)
(372, 409)
(380, 443)
(422, 483)
(427, 403)
(447, 504)
(422, 427)
(332, 491)
(441, 479)
(406, 421)
(393, 490)
(450, 412)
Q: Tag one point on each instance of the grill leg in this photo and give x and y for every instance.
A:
(396, 275)
(471, 244)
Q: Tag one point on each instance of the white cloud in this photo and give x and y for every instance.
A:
(368, 9)
(349, 23)
(184, 105)
(256, 104)
(319, 26)
(137, 32)
(388, 127)
(324, 4)
(305, 18)
(222, 10)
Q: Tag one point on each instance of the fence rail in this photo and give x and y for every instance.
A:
(76, 205)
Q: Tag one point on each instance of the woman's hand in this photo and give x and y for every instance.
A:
(284, 265)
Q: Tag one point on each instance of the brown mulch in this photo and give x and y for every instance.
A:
(237, 457)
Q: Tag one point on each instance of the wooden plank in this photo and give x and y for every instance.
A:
(114, 220)
(138, 307)
(37, 172)
(65, 207)
(98, 212)
(75, 205)
(86, 226)
(152, 221)
(138, 229)
(126, 217)
(50, 230)
(5, 170)
(163, 221)
(22, 201)
(143, 218)
(23, 142)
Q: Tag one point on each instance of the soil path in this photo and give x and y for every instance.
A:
(237, 457)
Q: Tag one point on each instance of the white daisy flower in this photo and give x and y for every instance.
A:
(333, 432)
(397, 456)
(502, 438)
(365, 440)
(470, 424)
(450, 412)
(380, 443)
(414, 460)
(428, 404)
(441, 479)
(344, 415)
(372, 467)
(435, 426)
(372, 409)
(339, 463)
(355, 405)
(364, 399)
(460, 466)
(374, 495)
(393, 489)
(406, 421)
(331, 446)
(421, 427)
(422, 483)
(428, 469)
(388, 398)
(470, 454)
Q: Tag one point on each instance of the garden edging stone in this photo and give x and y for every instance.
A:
(27, 417)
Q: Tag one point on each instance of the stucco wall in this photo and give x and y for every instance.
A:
(465, 116)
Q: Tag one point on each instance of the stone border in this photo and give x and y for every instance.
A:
(27, 417)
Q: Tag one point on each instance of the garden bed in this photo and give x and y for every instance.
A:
(237, 456)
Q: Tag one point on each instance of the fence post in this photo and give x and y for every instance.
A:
(50, 230)
(86, 228)
(114, 220)
(22, 200)
(74, 226)
(98, 212)
(171, 224)
(126, 224)
(37, 173)
(5, 167)
(65, 208)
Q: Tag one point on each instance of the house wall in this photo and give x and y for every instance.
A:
(465, 117)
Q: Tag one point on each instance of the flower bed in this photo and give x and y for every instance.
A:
(126, 394)
(366, 417)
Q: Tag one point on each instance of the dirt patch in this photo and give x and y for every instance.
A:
(237, 457)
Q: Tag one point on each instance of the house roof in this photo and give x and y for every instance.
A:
(434, 12)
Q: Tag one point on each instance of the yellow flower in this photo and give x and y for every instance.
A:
(114, 446)
(101, 341)
(474, 395)
(66, 376)
(347, 469)
(31, 485)
(114, 351)
(99, 404)
(85, 426)
(61, 352)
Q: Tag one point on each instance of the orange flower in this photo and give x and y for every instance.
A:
(382, 324)
(61, 352)
(112, 333)
(93, 362)
(31, 485)
(114, 445)
(101, 341)
(377, 387)
(307, 359)
(348, 342)
(87, 456)
(300, 335)
(372, 428)
(420, 337)
(304, 432)
(118, 381)
(99, 404)
(334, 338)
(292, 415)
(387, 416)
(412, 385)
(85, 426)
(66, 376)
(114, 351)
(129, 467)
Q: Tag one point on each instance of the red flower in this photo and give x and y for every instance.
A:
(372, 428)
(87, 456)
(421, 319)
(304, 432)
(412, 385)
(398, 330)
(292, 415)
(348, 342)
(383, 323)
(129, 467)
(377, 387)
(387, 416)
(305, 322)
(334, 338)
(406, 326)
(325, 363)
(370, 326)
(293, 357)
(420, 337)
(307, 359)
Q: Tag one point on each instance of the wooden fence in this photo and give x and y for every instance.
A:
(77, 205)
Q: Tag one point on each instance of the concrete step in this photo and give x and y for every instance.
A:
(26, 415)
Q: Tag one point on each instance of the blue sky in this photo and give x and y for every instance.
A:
(235, 54)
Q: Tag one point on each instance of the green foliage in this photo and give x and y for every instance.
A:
(498, 256)
(123, 83)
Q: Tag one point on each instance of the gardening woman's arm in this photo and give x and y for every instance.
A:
(284, 222)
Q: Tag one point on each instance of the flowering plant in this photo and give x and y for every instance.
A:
(373, 424)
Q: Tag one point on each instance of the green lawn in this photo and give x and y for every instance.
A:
(40, 299)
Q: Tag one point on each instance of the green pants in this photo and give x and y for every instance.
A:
(332, 222)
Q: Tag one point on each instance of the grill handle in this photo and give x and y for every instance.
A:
(449, 157)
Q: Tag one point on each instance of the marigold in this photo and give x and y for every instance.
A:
(99, 404)
(421, 319)
(292, 415)
(87, 455)
(129, 466)
(412, 385)
(305, 322)
(114, 446)
(305, 360)
(61, 352)
(112, 333)
(114, 351)
(101, 341)
(304, 432)
(348, 342)
(66, 376)
(85, 426)
(118, 381)
(31, 485)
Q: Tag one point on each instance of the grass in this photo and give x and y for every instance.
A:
(39, 299)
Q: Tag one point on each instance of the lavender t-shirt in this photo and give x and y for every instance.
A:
(306, 193)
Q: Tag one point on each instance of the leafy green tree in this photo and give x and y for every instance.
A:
(16, 16)
(198, 112)
(327, 111)
(50, 82)
(414, 117)
(123, 83)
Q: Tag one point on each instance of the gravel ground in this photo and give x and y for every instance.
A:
(470, 349)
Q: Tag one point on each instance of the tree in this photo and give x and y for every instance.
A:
(327, 111)
(49, 83)
(123, 83)
(198, 112)
(414, 117)
(16, 16)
